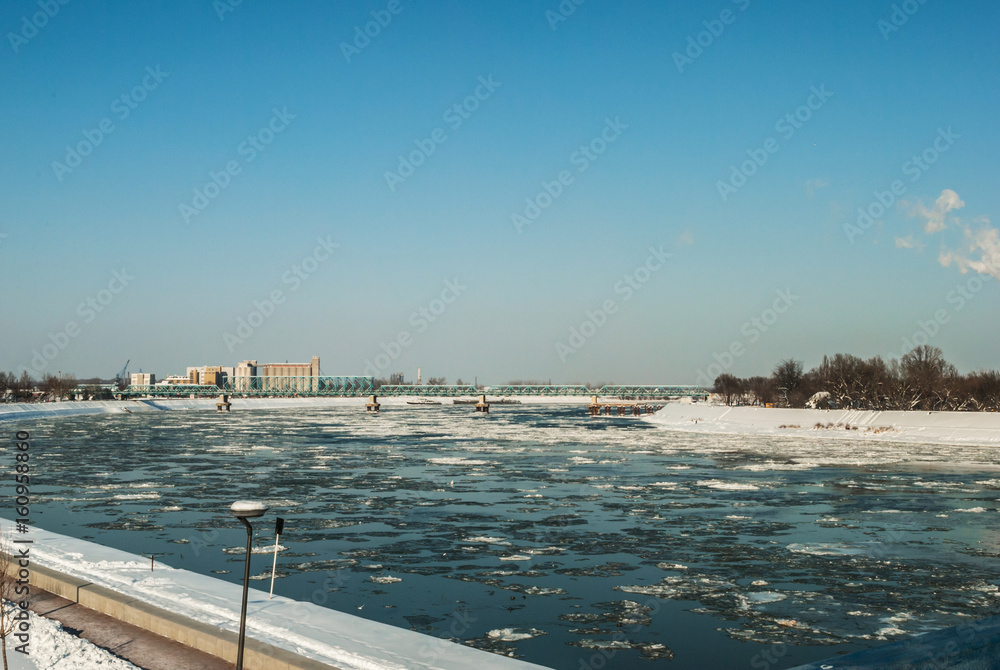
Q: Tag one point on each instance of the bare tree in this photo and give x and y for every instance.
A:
(58, 386)
(927, 373)
(762, 390)
(980, 391)
(787, 377)
(729, 387)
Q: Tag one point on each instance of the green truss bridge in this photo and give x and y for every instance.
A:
(350, 387)
(262, 387)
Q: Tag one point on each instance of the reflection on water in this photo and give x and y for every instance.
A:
(545, 534)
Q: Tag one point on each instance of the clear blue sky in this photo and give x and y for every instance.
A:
(343, 121)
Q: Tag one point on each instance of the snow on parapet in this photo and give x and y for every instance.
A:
(341, 640)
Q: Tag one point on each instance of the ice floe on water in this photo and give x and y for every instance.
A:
(514, 634)
(456, 460)
(265, 549)
(765, 597)
(136, 496)
(671, 566)
(385, 579)
(825, 549)
(487, 540)
(721, 485)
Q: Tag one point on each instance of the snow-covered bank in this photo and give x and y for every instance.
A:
(12, 411)
(328, 636)
(972, 428)
(53, 648)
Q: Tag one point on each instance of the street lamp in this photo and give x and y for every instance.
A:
(243, 510)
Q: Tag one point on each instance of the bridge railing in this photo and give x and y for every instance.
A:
(263, 386)
(435, 390)
(346, 386)
(537, 389)
(656, 391)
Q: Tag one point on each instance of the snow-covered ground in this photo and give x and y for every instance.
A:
(954, 428)
(328, 636)
(52, 648)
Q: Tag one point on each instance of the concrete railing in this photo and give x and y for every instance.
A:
(195, 634)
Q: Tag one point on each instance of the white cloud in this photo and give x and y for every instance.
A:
(935, 218)
(983, 252)
(908, 243)
(814, 185)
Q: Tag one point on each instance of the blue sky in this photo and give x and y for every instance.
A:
(202, 86)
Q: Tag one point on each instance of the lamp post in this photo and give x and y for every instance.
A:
(243, 510)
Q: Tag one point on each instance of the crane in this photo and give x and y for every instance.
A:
(121, 379)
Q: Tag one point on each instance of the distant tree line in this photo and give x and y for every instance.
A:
(25, 388)
(921, 380)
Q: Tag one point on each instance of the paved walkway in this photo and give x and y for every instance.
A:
(136, 645)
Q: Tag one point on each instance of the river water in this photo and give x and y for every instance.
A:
(542, 533)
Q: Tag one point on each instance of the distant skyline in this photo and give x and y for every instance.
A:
(576, 192)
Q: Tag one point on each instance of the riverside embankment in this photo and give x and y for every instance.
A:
(204, 613)
(972, 428)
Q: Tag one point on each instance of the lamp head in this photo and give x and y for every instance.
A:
(248, 509)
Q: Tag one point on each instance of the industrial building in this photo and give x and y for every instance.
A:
(273, 376)
(142, 379)
(253, 379)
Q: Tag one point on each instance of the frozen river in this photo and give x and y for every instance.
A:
(538, 532)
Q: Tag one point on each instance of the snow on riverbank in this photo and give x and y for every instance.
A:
(52, 648)
(328, 636)
(972, 428)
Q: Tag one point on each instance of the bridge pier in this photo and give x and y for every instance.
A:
(482, 405)
(372, 405)
(623, 408)
(223, 405)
